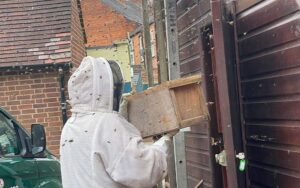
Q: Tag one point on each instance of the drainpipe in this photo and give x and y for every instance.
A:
(63, 104)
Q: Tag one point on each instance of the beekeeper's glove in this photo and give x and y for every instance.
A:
(123, 110)
(164, 144)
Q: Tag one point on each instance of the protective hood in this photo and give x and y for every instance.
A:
(91, 86)
(98, 147)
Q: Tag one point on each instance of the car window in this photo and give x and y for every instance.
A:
(8, 137)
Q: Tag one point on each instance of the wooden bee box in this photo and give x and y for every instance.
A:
(170, 106)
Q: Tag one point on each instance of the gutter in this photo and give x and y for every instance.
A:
(63, 104)
(33, 67)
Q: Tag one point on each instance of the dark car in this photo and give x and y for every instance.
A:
(24, 160)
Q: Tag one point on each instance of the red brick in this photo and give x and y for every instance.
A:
(28, 92)
(29, 111)
(50, 95)
(23, 97)
(11, 83)
(39, 115)
(51, 119)
(12, 92)
(52, 114)
(49, 90)
(52, 104)
(28, 82)
(27, 101)
(9, 103)
(22, 87)
(52, 109)
(11, 88)
(23, 117)
(14, 108)
(42, 105)
(38, 91)
(38, 96)
(26, 106)
(15, 112)
(50, 100)
(35, 86)
(55, 133)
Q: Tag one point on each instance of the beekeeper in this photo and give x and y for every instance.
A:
(99, 148)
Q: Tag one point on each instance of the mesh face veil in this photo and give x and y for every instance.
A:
(118, 83)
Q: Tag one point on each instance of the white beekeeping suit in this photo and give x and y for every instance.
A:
(99, 148)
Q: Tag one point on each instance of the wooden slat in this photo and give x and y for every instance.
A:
(270, 87)
(245, 4)
(256, 175)
(184, 6)
(267, 12)
(283, 158)
(286, 31)
(189, 35)
(197, 157)
(199, 172)
(277, 60)
(196, 141)
(279, 133)
(195, 31)
(282, 110)
(193, 49)
(183, 82)
(193, 14)
(273, 177)
(191, 66)
(201, 129)
(288, 181)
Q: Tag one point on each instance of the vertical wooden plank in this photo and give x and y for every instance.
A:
(172, 39)
(161, 40)
(148, 53)
(221, 56)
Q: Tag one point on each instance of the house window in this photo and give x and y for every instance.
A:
(142, 52)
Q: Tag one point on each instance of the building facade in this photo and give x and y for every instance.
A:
(107, 24)
(39, 42)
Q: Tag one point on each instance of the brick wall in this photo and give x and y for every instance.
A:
(103, 25)
(37, 33)
(34, 98)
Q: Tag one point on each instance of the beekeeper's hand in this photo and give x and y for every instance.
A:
(164, 143)
(123, 109)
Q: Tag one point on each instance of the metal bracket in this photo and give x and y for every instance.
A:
(63, 105)
(240, 156)
(221, 158)
(217, 141)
